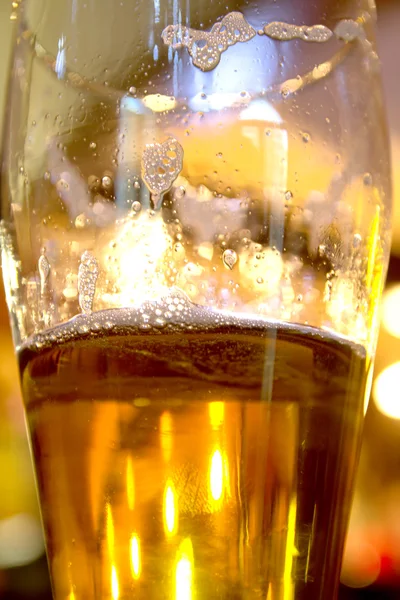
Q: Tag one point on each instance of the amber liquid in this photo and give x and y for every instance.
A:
(201, 462)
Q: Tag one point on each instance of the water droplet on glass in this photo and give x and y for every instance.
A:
(229, 258)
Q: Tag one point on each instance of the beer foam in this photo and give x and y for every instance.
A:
(161, 165)
(87, 278)
(44, 272)
(349, 30)
(171, 314)
(206, 47)
(281, 31)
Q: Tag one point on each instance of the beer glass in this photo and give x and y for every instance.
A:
(195, 234)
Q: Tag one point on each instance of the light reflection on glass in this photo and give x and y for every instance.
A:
(114, 583)
(184, 571)
(166, 438)
(291, 552)
(130, 484)
(110, 530)
(216, 412)
(170, 510)
(216, 476)
(136, 561)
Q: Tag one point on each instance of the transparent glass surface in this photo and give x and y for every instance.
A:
(195, 234)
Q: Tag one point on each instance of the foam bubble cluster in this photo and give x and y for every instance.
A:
(87, 278)
(206, 47)
(285, 32)
(161, 165)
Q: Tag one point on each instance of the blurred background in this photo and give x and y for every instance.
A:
(372, 559)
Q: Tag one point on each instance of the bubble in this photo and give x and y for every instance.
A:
(305, 137)
(47, 175)
(205, 48)
(288, 196)
(367, 179)
(136, 185)
(136, 206)
(229, 258)
(107, 183)
(179, 192)
(94, 183)
(260, 280)
(357, 239)
(132, 90)
(93, 145)
(161, 165)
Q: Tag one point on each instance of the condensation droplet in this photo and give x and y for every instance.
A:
(87, 277)
(229, 258)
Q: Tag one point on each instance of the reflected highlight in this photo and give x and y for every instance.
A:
(130, 484)
(110, 534)
(216, 476)
(170, 510)
(136, 561)
(216, 411)
(114, 583)
(166, 438)
(184, 571)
